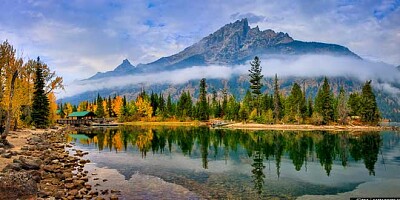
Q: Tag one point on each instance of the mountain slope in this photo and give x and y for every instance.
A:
(235, 43)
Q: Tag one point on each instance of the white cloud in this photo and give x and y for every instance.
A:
(298, 66)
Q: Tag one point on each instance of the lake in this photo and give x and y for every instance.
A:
(199, 162)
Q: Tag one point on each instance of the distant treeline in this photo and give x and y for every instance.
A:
(326, 108)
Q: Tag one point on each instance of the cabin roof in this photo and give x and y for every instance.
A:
(82, 114)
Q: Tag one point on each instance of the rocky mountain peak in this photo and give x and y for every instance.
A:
(124, 66)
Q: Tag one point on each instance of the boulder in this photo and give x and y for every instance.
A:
(29, 164)
(6, 155)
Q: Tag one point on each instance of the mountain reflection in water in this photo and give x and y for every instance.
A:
(299, 147)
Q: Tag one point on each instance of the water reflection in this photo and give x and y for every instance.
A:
(299, 147)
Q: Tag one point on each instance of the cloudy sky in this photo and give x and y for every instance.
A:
(77, 38)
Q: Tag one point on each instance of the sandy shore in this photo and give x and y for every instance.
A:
(303, 127)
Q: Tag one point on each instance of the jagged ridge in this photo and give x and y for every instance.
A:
(232, 44)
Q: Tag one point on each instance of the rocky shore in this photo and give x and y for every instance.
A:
(46, 168)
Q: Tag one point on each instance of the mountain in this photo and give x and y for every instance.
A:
(234, 43)
(124, 68)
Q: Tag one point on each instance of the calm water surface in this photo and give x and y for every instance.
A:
(215, 163)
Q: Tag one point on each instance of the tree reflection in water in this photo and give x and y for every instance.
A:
(261, 146)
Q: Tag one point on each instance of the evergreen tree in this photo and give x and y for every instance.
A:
(224, 103)
(124, 111)
(40, 105)
(100, 108)
(309, 107)
(324, 102)
(184, 105)
(369, 110)
(296, 107)
(109, 108)
(170, 106)
(203, 113)
(277, 102)
(342, 107)
(161, 102)
(214, 104)
(255, 82)
(74, 108)
(354, 104)
(154, 102)
(233, 109)
(255, 77)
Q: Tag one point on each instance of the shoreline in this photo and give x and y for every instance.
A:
(43, 165)
(304, 127)
(278, 127)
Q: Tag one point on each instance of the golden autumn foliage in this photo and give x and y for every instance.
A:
(117, 105)
(143, 141)
(17, 86)
(83, 106)
(68, 109)
(53, 108)
(143, 107)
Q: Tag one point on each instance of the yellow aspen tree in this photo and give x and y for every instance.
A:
(10, 69)
(68, 109)
(117, 105)
(53, 107)
(143, 107)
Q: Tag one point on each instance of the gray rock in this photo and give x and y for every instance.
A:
(6, 155)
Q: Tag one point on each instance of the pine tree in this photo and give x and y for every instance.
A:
(369, 110)
(255, 82)
(100, 108)
(354, 104)
(342, 107)
(40, 105)
(214, 104)
(309, 107)
(296, 104)
(324, 102)
(224, 103)
(255, 77)
(203, 113)
(277, 102)
(109, 108)
(170, 107)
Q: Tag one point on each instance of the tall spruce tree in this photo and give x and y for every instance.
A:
(296, 106)
(354, 104)
(277, 101)
(203, 111)
(255, 82)
(255, 77)
(342, 107)
(368, 108)
(100, 108)
(170, 106)
(40, 105)
(324, 102)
